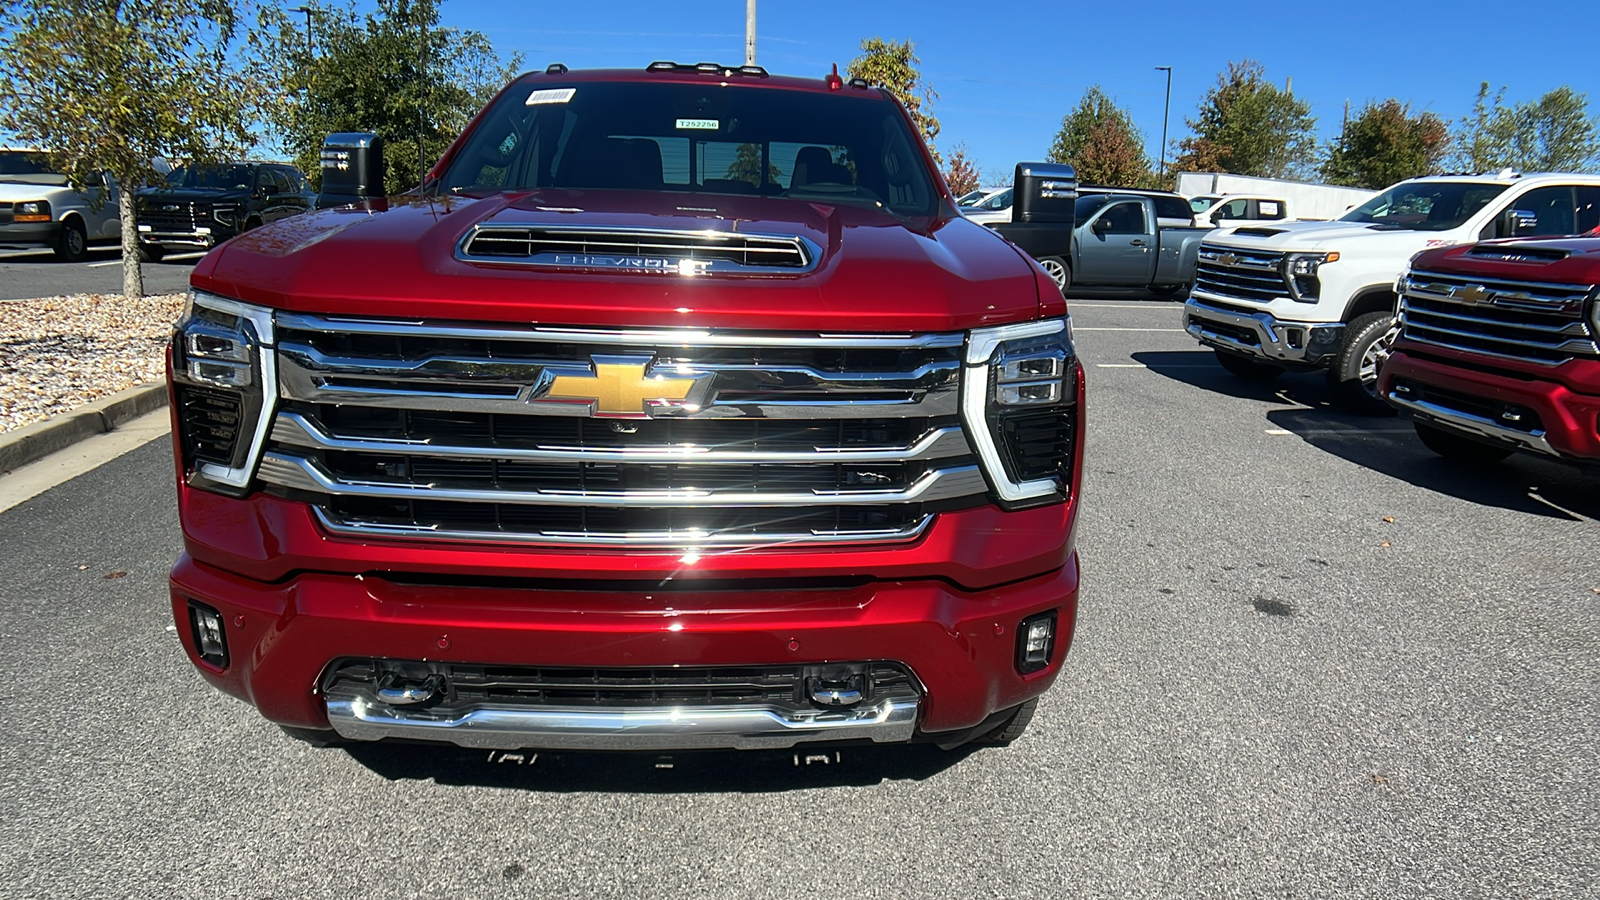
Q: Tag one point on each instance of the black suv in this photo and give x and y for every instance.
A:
(202, 206)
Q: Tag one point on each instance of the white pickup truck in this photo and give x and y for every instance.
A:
(1320, 295)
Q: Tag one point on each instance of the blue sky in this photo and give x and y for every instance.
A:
(1006, 72)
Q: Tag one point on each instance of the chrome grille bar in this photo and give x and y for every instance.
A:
(296, 430)
(1240, 274)
(302, 473)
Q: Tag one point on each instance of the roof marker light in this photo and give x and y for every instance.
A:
(833, 79)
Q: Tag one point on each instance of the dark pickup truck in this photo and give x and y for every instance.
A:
(1114, 241)
(202, 206)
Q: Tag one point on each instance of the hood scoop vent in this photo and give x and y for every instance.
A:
(1259, 232)
(664, 251)
(1518, 253)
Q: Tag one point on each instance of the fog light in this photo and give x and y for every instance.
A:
(1035, 641)
(209, 639)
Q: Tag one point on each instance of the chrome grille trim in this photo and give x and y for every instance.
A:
(296, 430)
(640, 540)
(1532, 322)
(1240, 274)
(647, 337)
(300, 473)
(666, 251)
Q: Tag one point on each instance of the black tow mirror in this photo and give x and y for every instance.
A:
(1520, 222)
(1101, 225)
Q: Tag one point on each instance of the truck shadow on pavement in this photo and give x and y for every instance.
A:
(744, 772)
(1388, 445)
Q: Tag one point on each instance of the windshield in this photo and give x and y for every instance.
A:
(710, 138)
(1426, 205)
(29, 167)
(1201, 204)
(971, 197)
(216, 177)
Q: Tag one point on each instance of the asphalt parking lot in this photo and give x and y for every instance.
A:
(26, 274)
(1312, 661)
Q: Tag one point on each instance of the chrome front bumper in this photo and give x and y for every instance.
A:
(1476, 425)
(633, 728)
(1260, 335)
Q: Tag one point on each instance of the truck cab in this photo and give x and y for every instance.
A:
(678, 409)
(1120, 242)
(1321, 295)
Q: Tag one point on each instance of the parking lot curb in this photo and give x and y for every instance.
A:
(36, 441)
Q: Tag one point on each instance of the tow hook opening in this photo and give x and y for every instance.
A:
(832, 687)
(399, 685)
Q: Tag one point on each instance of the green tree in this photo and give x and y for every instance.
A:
(393, 72)
(1098, 139)
(893, 64)
(1386, 144)
(1552, 134)
(1246, 125)
(960, 173)
(746, 166)
(109, 87)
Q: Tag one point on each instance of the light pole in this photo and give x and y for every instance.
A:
(749, 32)
(310, 46)
(1166, 111)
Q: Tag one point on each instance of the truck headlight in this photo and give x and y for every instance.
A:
(1019, 401)
(225, 379)
(31, 211)
(1301, 270)
(225, 215)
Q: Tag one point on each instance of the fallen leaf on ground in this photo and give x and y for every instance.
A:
(116, 574)
(1384, 544)
(1389, 519)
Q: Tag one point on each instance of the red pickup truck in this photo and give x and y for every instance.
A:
(679, 409)
(1498, 349)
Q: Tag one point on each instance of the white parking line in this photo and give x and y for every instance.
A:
(109, 262)
(1282, 431)
(1132, 304)
(1174, 330)
(1143, 366)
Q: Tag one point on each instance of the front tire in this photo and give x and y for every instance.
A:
(73, 243)
(1059, 272)
(1246, 368)
(1354, 375)
(1457, 448)
(1012, 728)
(151, 253)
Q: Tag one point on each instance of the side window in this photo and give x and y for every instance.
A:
(1124, 218)
(1552, 209)
(1233, 209)
(1172, 208)
(292, 182)
(1001, 200)
(1588, 208)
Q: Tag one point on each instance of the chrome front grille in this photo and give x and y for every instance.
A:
(1240, 274)
(638, 438)
(1520, 320)
(167, 216)
(668, 251)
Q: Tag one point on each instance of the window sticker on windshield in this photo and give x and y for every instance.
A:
(698, 124)
(551, 95)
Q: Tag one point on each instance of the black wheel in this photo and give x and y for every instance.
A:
(313, 736)
(151, 253)
(1247, 368)
(1059, 272)
(1013, 727)
(73, 244)
(252, 223)
(1171, 291)
(1354, 376)
(1458, 448)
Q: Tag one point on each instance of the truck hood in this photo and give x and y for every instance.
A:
(1561, 260)
(12, 192)
(1342, 236)
(397, 258)
(188, 195)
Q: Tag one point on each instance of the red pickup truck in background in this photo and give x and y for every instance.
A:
(679, 409)
(1498, 349)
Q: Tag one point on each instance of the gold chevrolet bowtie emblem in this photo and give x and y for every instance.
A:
(1228, 259)
(619, 388)
(1473, 293)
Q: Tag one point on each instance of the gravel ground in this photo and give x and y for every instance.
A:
(61, 352)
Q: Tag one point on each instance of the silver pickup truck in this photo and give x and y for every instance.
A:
(38, 208)
(1120, 243)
